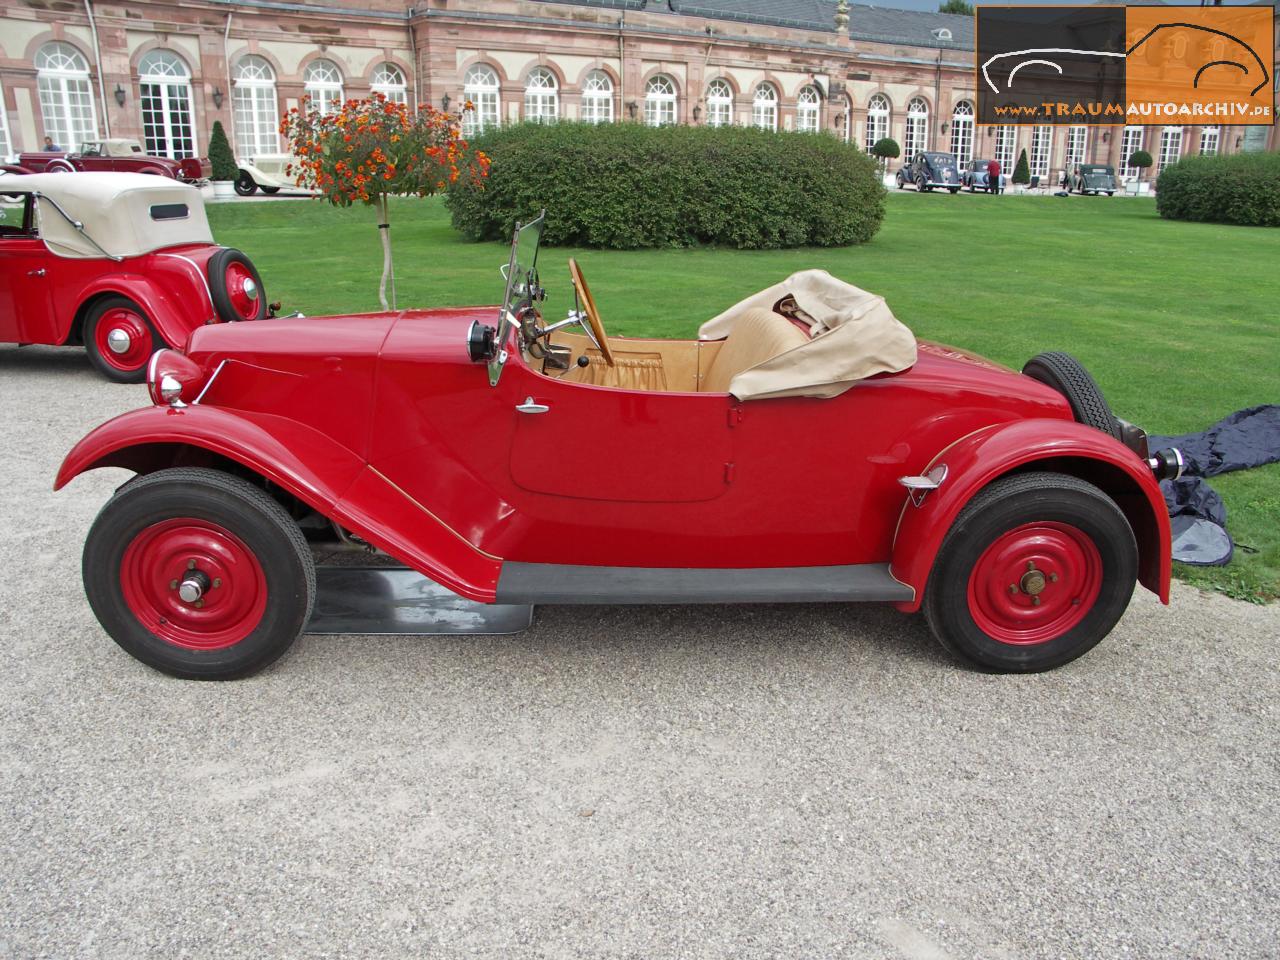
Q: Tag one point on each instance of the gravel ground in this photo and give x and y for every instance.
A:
(652, 782)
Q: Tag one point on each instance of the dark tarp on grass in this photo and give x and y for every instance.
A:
(1244, 439)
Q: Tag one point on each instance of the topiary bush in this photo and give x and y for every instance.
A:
(1139, 160)
(1022, 172)
(625, 186)
(886, 148)
(221, 159)
(1242, 189)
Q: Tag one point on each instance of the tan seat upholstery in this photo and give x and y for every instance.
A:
(758, 335)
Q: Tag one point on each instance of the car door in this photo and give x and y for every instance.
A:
(25, 290)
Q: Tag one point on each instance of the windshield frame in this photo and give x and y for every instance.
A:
(522, 287)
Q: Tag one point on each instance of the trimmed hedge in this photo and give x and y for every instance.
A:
(624, 185)
(1243, 189)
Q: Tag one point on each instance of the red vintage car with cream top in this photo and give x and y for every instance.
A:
(804, 449)
(112, 156)
(122, 263)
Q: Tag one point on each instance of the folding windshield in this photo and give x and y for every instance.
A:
(521, 273)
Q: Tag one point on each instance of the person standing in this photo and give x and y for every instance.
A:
(993, 176)
(50, 146)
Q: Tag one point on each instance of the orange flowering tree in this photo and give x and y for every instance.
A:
(375, 148)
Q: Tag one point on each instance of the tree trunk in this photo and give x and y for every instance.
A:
(388, 271)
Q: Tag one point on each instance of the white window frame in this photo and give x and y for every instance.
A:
(388, 80)
(659, 101)
(1171, 139)
(916, 139)
(962, 132)
(719, 103)
(541, 96)
(481, 86)
(6, 145)
(1041, 146)
(597, 97)
(66, 95)
(1131, 141)
(322, 81)
(255, 109)
(1006, 148)
(1077, 146)
(879, 115)
(764, 107)
(164, 93)
(847, 132)
(808, 109)
(1210, 141)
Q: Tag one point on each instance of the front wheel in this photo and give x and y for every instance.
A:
(199, 574)
(246, 186)
(954, 190)
(1035, 572)
(119, 339)
(902, 184)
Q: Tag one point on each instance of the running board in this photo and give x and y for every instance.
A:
(566, 583)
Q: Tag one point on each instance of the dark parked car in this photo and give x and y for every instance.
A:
(974, 176)
(929, 170)
(1092, 178)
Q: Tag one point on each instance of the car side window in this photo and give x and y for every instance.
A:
(15, 216)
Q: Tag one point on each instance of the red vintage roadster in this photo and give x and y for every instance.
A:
(804, 449)
(111, 156)
(122, 263)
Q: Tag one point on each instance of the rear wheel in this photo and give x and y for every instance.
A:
(119, 339)
(235, 286)
(1035, 572)
(1065, 374)
(245, 184)
(270, 191)
(199, 574)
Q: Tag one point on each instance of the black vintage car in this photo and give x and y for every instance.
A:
(1092, 178)
(929, 170)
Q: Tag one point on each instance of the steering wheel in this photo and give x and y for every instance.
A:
(593, 326)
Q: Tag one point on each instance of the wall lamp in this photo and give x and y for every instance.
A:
(631, 109)
(839, 121)
(944, 126)
(444, 103)
(217, 98)
(1106, 136)
(697, 112)
(119, 95)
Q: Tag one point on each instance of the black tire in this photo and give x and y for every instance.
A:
(222, 298)
(228, 503)
(270, 191)
(954, 190)
(1065, 374)
(902, 184)
(1110, 193)
(133, 367)
(246, 186)
(921, 187)
(1000, 510)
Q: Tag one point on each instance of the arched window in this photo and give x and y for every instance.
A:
(764, 107)
(164, 87)
(541, 96)
(719, 104)
(480, 87)
(388, 80)
(66, 99)
(808, 107)
(1170, 146)
(917, 136)
(659, 101)
(323, 83)
(1130, 143)
(1077, 143)
(1210, 139)
(597, 98)
(253, 100)
(877, 120)
(962, 132)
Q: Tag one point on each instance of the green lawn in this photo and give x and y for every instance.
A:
(1178, 322)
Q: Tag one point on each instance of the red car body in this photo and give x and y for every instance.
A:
(156, 297)
(113, 156)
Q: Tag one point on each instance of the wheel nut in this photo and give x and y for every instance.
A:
(200, 603)
(173, 584)
(1053, 578)
(1035, 602)
(191, 564)
(217, 582)
(1013, 588)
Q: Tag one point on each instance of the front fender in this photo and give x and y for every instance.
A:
(992, 452)
(323, 474)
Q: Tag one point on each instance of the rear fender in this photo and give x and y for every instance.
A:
(323, 474)
(1055, 445)
(171, 315)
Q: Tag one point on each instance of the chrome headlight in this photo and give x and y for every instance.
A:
(173, 379)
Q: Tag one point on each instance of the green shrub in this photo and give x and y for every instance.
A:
(624, 185)
(1141, 160)
(1022, 172)
(221, 159)
(886, 148)
(1242, 189)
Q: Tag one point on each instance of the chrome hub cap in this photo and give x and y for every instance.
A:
(118, 340)
(193, 586)
(250, 288)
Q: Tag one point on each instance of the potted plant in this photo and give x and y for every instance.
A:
(886, 149)
(223, 162)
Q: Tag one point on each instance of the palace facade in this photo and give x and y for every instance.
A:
(163, 71)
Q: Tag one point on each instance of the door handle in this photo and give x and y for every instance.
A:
(36, 273)
(530, 407)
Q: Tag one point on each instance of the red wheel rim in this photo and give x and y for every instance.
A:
(123, 339)
(1035, 583)
(164, 555)
(240, 284)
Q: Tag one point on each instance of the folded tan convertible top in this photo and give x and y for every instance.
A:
(854, 335)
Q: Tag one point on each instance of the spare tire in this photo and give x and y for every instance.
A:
(1065, 374)
(235, 286)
